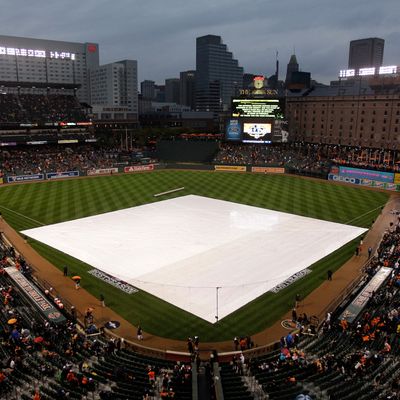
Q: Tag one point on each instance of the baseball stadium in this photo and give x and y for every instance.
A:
(173, 263)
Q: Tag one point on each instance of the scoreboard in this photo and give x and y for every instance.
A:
(256, 108)
(255, 120)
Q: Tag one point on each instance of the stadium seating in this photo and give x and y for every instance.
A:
(40, 109)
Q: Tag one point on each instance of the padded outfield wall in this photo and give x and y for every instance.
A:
(186, 151)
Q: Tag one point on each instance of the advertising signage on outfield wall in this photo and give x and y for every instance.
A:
(237, 168)
(102, 171)
(366, 174)
(365, 182)
(268, 170)
(139, 168)
(25, 178)
(58, 175)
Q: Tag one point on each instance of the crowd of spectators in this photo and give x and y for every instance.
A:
(40, 108)
(57, 158)
(10, 111)
(365, 351)
(306, 157)
(295, 157)
(42, 360)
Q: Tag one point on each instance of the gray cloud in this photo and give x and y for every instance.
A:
(161, 34)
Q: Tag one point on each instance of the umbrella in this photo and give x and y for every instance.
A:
(38, 339)
(112, 324)
(76, 278)
(12, 321)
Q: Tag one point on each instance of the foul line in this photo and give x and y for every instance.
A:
(368, 212)
(22, 215)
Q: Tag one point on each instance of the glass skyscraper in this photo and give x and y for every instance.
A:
(218, 75)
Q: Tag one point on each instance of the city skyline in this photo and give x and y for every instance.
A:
(163, 39)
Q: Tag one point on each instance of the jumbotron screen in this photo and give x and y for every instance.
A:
(256, 130)
(256, 108)
(250, 130)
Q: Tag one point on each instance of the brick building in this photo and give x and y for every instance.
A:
(363, 112)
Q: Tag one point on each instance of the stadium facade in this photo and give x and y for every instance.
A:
(355, 112)
(28, 64)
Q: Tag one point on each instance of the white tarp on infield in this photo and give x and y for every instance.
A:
(182, 249)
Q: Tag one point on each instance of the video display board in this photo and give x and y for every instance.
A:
(249, 130)
(233, 130)
(256, 108)
(257, 132)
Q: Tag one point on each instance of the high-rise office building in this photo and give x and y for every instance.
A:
(364, 53)
(172, 88)
(115, 85)
(188, 88)
(39, 64)
(147, 90)
(293, 66)
(218, 75)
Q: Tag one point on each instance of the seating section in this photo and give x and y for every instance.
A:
(343, 361)
(40, 108)
(62, 362)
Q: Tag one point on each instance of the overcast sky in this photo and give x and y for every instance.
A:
(161, 34)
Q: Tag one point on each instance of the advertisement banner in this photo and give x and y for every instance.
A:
(102, 171)
(396, 178)
(392, 186)
(345, 179)
(139, 168)
(268, 170)
(364, 182)
(233, 130)
(58, 175)
(36, 296)
(241, 168)
(25, 178)
(366, 174)
(67, 141)
(358, 304)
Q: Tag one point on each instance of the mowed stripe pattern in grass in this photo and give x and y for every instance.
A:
(53, 202)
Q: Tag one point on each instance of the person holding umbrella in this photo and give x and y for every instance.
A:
(77, 280)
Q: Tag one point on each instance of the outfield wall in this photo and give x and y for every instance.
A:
(365, 177)
(186, 151)
(356, 176)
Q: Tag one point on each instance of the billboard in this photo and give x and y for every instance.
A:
(257, 120)
(58, 175)
(256, 108)
(25, 178)
(236, 168)
(233, 130)
(139, 168)
(268, 170)
(365, 182)
(102, 171)
(366, 174)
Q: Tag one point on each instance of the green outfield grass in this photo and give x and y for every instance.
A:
(31, 205)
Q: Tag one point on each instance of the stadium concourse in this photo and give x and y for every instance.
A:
(316, 304)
